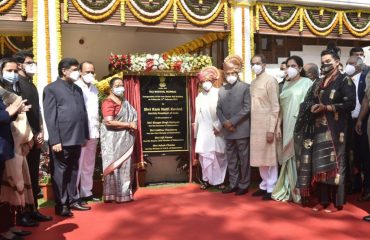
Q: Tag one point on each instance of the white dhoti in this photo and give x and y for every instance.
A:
(86, 168)
(214, 167)
(269, 177)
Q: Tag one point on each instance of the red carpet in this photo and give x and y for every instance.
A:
(188, 213)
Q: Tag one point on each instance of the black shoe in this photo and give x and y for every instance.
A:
(82, 202)
(259, 193)
(266, 196)
(240, 192)
(40, 217)
(15, 237)
(79, 207)
(228, 189)
(367, 218)
(91, 198)
(22, 233)
(25, 221)
(63, 211)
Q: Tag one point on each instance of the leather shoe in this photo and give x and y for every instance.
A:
(40, 217)
(25, 221)
(63, 211)
(241, 191)
(266, 196)
(259, 193)
(91, 199)
(228, 189)
(82, 202)
(22, 233)
(79, 207)
(367, 218)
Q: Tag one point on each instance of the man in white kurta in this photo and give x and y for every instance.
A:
(210, 144)
(88, 152)
(264, 115)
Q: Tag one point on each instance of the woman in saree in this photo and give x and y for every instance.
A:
(15, 192)
(117, 143)
(293, 93)
(324, 120)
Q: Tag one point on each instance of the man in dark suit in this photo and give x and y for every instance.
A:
(26, 69)
(233, 110)
(67, 125)
(358, 146)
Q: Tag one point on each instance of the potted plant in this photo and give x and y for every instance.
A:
(44, 174)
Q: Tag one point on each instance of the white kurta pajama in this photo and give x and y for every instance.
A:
(211, 148)
(88, 152)
(264, 115)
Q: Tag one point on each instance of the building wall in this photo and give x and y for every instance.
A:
(100, 41)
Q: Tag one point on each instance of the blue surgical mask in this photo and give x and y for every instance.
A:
(10, 77)
(118, 91)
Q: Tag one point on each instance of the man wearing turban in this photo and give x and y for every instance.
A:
(233, 110)
(210, 144)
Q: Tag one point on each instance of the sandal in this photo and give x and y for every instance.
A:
(204, 185)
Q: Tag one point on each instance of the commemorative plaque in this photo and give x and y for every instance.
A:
(164, 114)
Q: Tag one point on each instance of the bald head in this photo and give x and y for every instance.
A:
(311, 70)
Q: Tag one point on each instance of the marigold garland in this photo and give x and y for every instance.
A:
(232, 33)
(325, 33)
(96, 17)
(149, 20)
(35, 35)
(59, 33)
(123, 11)
(285, 28)
(65, 11)
(226, 17)
(175, 12)
(201, 22)
(7, 6)
(353, 32)
(47, 41)
(24, 8)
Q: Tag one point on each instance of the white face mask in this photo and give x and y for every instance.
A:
(207, 85)
(281, 74)
(257, 69)
(75, 75)
(118, 91)
(292, 73)
(350, 69)
(10, 77)
(363, 58)
(30, 69)
(231, 79)
(88, 78)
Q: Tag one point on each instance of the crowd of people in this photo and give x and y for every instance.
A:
(310, 125)
(307, 134)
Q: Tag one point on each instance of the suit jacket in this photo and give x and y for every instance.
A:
(65, 114)
(362, 86)
(29, 91)
(6, 137)
(234, 105)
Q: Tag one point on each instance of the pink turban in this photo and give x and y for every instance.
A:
(208, 74)
(233, 64)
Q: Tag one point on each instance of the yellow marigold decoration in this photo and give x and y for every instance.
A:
(340, 23)
(123, 11)
(59, 34)
(34, 34)
(251, 30)
(7, 6)
(103, 85)
(201, 22)
(149, 20)
(285, 28)
(232, 33)
(24, 8)
(175, 11)
(325, 33)
(47, 41)
(226, 17)
(65, 11)
(258, 17)
(353, 32)
(301, 19)
(96, 17)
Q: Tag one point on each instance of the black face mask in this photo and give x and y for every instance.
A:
(327, 68)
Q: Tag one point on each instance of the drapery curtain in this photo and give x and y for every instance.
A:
(193, 93)
(132, 94)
